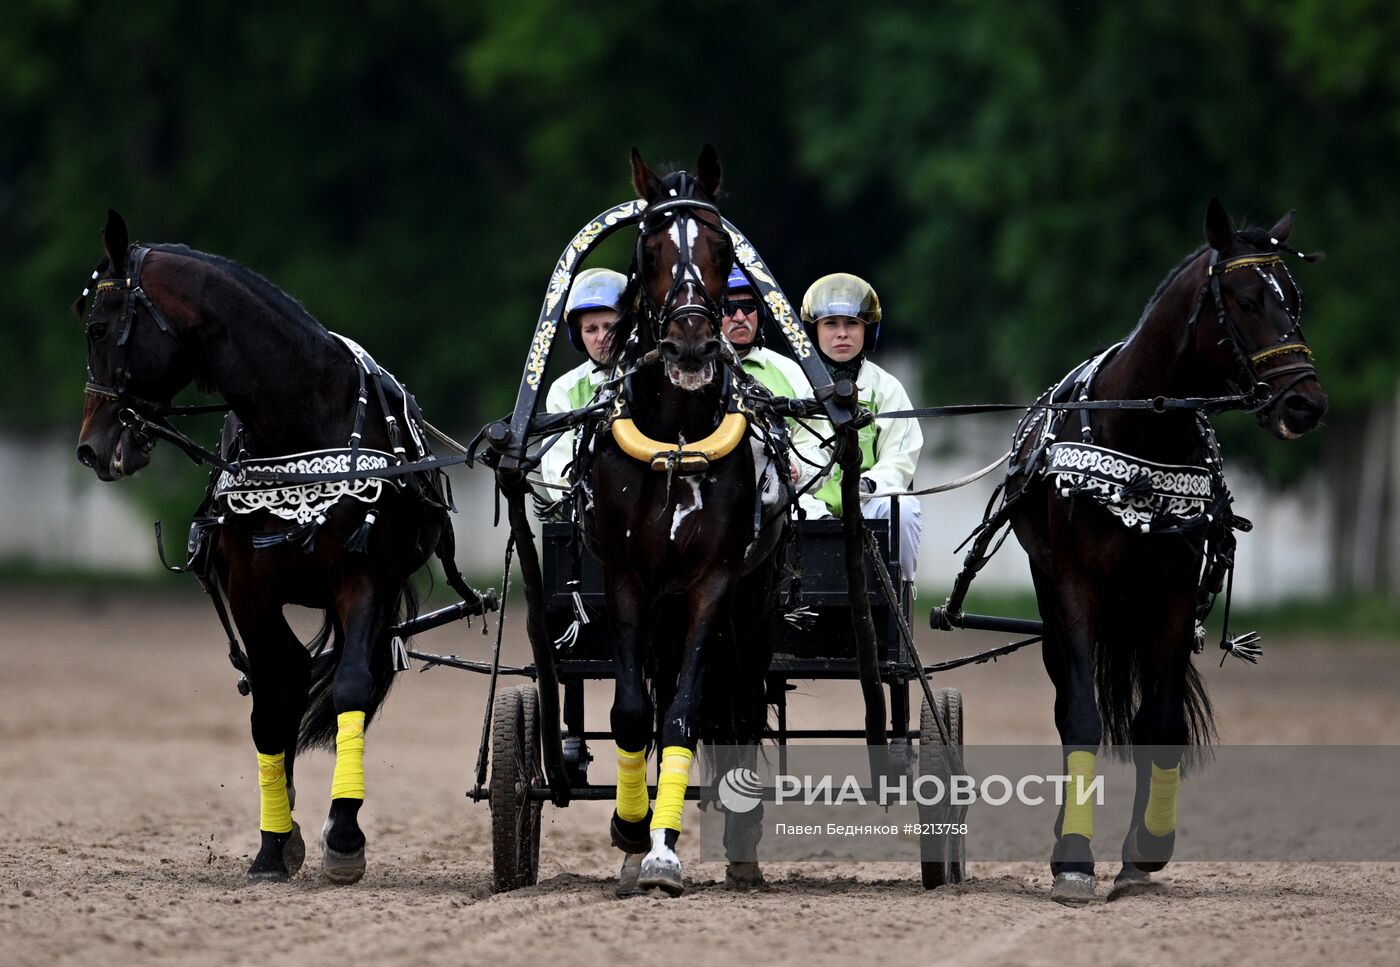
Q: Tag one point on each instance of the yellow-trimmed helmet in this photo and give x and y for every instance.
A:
(597, 288)
(842, 294)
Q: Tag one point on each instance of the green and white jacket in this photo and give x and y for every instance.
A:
(573, 390)
(889, 448)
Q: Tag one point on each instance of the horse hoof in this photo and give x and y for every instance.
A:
(280, 857)
(1073, 889)
(661, 870)
(629, 879)
(1132, 881)
(267, 875)
(294, 852)
(743, 876)
(1150, 854)
(343, 868)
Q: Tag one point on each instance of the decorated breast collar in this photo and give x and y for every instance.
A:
(1146, 496)
(1138, 492)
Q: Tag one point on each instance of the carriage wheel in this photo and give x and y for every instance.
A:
(943, 857)
(515, 768)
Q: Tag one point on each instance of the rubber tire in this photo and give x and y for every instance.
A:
(530, 852)
(952, 866)
(515, 818)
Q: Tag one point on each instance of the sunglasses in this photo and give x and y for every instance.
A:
(734, 307)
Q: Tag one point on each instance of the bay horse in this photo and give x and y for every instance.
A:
(163, 316)
(687, 528)
(1120, 604)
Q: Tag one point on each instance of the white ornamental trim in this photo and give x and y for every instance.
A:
(302, 502)
(1179, 491)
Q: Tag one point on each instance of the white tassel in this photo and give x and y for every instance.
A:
(571, 633)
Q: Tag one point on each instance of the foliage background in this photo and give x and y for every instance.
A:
(1014, 178)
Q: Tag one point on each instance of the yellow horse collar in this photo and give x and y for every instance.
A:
(680, 457)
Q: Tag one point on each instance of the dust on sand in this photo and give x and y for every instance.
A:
(128, 788)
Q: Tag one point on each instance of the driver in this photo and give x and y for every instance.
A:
(742, 325)
(841, 314)
(595, 302)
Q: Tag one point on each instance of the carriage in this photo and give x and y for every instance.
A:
(305, 531)
(823, 648)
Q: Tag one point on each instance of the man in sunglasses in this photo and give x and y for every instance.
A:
(743, 327)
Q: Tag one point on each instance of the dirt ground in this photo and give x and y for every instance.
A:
(128, 791)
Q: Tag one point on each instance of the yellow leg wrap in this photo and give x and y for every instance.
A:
(631, 785)
(272, 785)
(674, 776)
(1160, 816)
(1079, 802)
(348, 782)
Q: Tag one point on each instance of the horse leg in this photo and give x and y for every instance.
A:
(708, 598)
(737, 691)
(361, 612)
(1068, 653)
(280, 673)
(632, 716)
(1160, 734)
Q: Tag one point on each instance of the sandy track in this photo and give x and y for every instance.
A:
(128, 793)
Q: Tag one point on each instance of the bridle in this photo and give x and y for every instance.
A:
(1249, 360)
(679, 212)
(132, 295)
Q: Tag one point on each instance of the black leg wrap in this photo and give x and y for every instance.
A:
(631, 836)
(1147, 852)
(1072, 854)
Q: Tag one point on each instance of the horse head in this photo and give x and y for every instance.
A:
(135, 363)
(682, 261)
(1249, 328)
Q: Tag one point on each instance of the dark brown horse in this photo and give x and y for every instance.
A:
(1120, 606)
(163, 316)
(687, 528)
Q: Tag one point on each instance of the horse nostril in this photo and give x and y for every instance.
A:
(87, 456)
(1305, 406)
(670, 349)
(709, 350)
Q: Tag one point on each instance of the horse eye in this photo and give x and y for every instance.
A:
(1249, 305)
(98, 331)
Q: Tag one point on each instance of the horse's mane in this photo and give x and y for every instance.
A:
(273, 295)
(1253, 235)
(287, 306)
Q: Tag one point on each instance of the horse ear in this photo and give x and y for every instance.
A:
(644, 180)
(707, 170)
(114, 240)
(1281, 230)
(1219, 229)
(80, 307)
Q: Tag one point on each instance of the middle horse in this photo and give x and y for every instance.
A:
(669, 505)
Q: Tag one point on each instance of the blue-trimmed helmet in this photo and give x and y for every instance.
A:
(592, 289)
(842, 294)
(739, 282)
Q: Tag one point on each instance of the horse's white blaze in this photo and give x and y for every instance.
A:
(674, 231)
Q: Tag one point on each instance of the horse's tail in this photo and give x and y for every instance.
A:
(1118, 681)
(318, 724)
